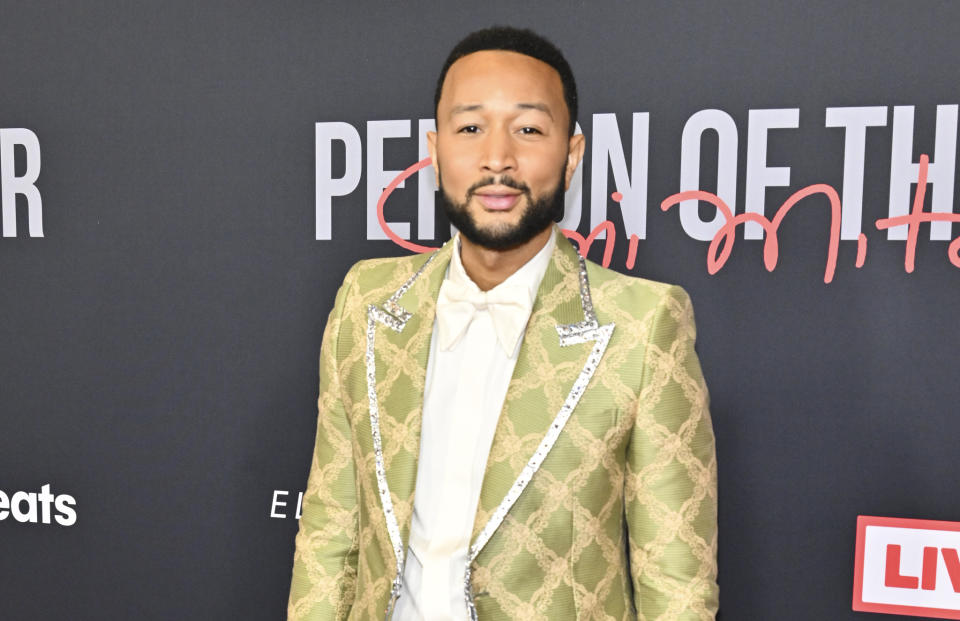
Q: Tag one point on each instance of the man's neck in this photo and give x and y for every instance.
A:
(488, 268)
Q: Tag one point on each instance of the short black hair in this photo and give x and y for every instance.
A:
(523, 41)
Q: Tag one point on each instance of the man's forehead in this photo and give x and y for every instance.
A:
(507, 70)
(521, 105)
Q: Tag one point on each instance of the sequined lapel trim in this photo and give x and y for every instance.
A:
(394, 316)
(569, 334)
(582, 331)
(391, 314)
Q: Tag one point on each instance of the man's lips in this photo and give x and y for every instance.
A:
(496, 199)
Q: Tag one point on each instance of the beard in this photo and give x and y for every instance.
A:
(538, 215)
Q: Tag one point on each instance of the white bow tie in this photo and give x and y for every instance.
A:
(509, 306)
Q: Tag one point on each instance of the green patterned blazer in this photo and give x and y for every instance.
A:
(599, 495)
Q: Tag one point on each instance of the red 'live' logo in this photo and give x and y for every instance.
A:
(907, 567)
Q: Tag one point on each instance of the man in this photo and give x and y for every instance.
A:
(549, 414)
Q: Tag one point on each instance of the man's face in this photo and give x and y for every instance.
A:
(502, 152)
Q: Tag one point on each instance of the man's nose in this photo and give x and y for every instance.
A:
(498, 153)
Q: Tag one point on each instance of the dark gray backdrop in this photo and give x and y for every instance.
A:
(158, 346)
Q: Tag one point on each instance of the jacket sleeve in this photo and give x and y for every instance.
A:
(325, 559)
(671, 483)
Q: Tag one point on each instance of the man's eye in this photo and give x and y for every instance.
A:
(469, 129)
(530, 131)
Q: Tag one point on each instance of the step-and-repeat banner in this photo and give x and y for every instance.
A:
(184, 185)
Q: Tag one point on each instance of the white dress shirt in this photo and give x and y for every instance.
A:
(466, 384)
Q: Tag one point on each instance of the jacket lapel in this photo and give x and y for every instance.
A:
(398, 345)
(561, 348)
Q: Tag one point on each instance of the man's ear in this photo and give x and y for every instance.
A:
(432, 150)
(574, 155)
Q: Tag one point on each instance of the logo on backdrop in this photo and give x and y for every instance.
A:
(630, 193)
(907, 567)
(282, 505)
(20, 181)
(39, 508)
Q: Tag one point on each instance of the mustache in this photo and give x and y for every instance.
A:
(502, 180)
